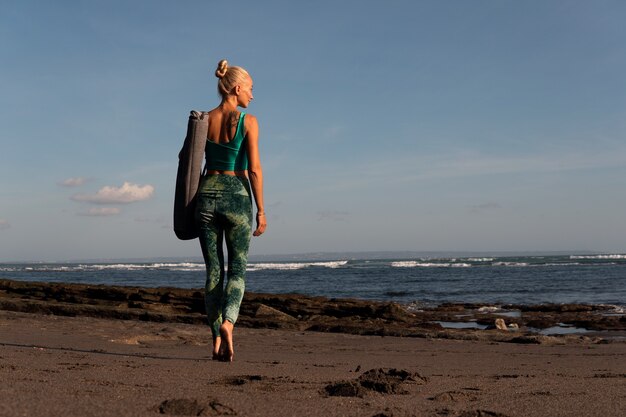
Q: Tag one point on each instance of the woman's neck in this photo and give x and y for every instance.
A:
(229, 104)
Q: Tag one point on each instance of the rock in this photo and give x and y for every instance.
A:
(500, 324)
(561, 308)
(344, 389)
(513, 326)
(267, 312)
(542, 322)
(299, 312)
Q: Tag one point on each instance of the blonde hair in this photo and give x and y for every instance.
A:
(229, 77)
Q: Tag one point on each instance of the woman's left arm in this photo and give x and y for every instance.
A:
(255, 172)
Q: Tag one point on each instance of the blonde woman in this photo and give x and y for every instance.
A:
(233, 175)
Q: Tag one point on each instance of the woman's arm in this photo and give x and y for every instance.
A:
(255, 172)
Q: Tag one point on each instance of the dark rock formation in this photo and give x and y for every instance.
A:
(298, 312)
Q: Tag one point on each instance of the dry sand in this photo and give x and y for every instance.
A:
(85, 366)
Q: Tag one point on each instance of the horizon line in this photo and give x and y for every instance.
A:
(332, 255)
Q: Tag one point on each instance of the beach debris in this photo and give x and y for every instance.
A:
(181, 406)
(609, 375)
(383, 414)
(480, 413)
(382, 380)
(221, 409)
(500, 324)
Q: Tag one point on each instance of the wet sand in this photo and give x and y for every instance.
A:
(148, 365)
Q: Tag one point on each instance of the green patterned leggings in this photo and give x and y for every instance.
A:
(224, 212)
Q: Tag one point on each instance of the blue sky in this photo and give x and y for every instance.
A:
(401, 125)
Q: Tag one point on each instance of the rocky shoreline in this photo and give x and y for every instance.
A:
(517, 323)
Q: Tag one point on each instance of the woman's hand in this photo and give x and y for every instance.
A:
(261, 224)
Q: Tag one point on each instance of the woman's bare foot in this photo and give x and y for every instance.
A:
(216, 347)
(227, 350)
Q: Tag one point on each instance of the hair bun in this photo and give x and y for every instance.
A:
(222, 67)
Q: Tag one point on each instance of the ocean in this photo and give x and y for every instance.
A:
(410, 280)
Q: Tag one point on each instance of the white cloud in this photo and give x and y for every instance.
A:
(127, 193)
(73, 182)
(101, 212)
(4, 224)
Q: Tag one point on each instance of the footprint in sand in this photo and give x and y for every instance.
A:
(453, 396)
(183, 336)
(191, 407)
(382, 380)
(141, 339)
(241, 380)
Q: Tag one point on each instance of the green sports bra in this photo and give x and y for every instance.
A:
(230, 156)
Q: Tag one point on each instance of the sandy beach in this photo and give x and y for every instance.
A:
(79, 364)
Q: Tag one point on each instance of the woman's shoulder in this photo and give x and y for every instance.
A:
(213, 112)
(250, 125)
(249, 120)
(249, 117)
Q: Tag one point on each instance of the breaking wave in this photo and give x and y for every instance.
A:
(610, 256)
(416, 264)
(510, 264)
(179, 266)
(286, 266)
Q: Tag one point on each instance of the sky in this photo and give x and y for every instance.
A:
(483, 125)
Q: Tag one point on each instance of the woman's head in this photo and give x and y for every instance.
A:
(233, 81)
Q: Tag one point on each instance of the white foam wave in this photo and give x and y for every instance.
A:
(480, 259)
(416, 264)
(41, 269)
(609, 256)
(294, 265)
(510, 264)
(489, 309)
(615, 309)
(179, 266)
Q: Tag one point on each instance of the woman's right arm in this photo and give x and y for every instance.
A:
(255, 172)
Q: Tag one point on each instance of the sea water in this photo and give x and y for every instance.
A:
(418, 281)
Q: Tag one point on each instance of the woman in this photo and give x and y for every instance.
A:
(224, 205)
